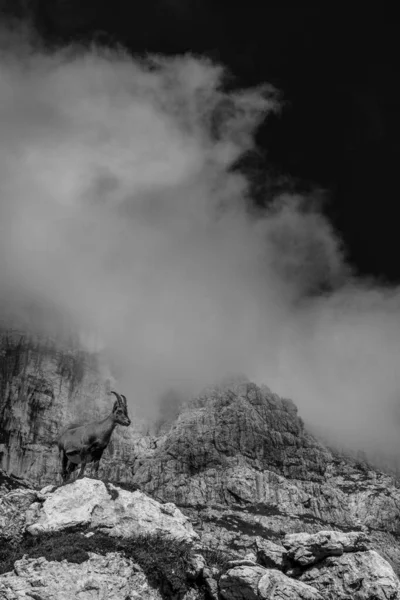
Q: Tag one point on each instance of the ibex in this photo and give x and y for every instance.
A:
(82, 444)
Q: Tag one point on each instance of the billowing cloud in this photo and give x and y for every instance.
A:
(120, 215)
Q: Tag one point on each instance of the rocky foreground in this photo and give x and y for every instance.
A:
(90, 539)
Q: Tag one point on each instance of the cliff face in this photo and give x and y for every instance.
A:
(44, 386)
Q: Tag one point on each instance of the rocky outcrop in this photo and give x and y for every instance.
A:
(221, 434)
(305, 550)
(106, 508)
(341, 566)
(111, 576)
(67, 522)
(333, 565)
(239, 462)
(358, 576)
(248, 581)
(93, 539)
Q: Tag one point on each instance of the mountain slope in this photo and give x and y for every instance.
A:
(240, 461)
(237, 460)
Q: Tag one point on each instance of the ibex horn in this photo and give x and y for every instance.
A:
(118, 397)
(123, 398)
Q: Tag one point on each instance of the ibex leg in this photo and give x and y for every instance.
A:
(64, 463)
(84, 460)
(96, 463)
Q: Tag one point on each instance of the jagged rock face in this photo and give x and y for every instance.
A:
(239, 460)
(43, 387)
(243, 427)
(245, 446)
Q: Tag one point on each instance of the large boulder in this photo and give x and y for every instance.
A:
(117, 512)
(271, 555)
(354, 576)
(249, 581)
(304, 549)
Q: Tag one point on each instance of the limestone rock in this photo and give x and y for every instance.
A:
(244, 445)
(306, 549)
(238, 449)
(271, 555)
(354, 576)
(274, 585)
(13, 507)
(118, 512)
(210, 583)
(241, 582)
(252, 582)
(110, 577)
(222, 429)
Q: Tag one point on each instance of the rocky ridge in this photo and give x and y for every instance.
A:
(239, 462)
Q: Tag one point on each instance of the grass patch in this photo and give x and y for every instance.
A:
(310, 518)
(164, 561)
(240, 526)
(216, 558)
(129, 487)
(12, 482)
(264, 510)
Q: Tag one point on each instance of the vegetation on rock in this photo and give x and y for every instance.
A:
(165, 562)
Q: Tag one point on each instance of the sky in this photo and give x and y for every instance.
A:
(122, 211)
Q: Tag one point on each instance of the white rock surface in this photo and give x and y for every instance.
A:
(241, 582)
(13, 505)
(354, 576)
(274, 585)
(270, 555)
(109, 577)
(252, 582)
(117, 512)
(306, 549)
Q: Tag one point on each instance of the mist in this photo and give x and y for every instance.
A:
(120, 211)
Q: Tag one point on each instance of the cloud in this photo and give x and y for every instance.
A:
(120, 214)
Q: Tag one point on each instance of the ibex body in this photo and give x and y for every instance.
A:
(82, 444)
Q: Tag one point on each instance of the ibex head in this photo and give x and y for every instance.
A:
(120, 410)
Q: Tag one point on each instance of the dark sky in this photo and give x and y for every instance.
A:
(338, 75)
